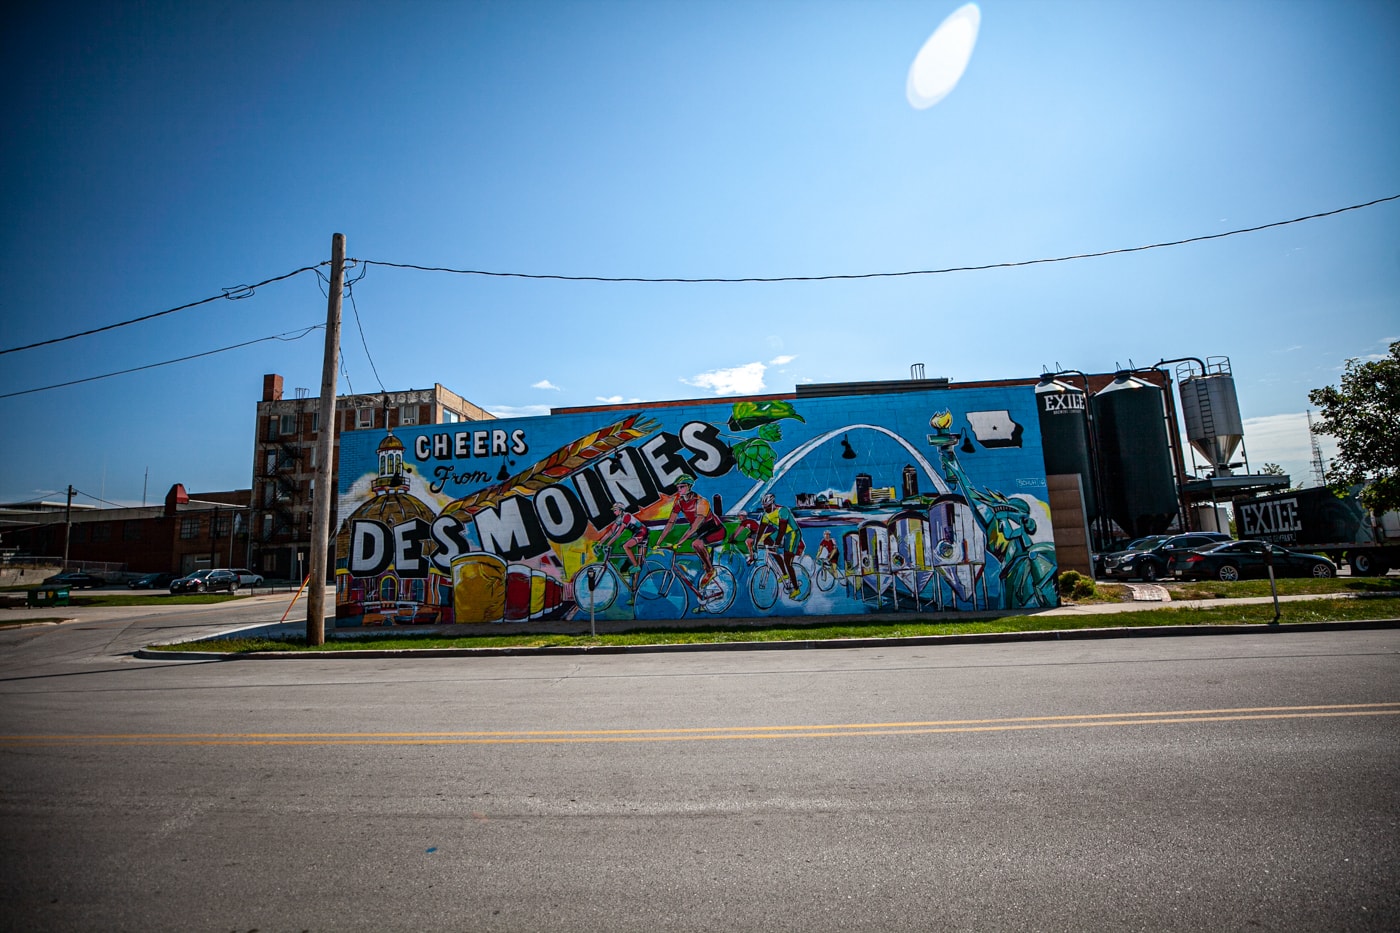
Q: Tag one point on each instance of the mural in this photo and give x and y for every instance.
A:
(925, 501)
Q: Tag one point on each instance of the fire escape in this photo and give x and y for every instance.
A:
(281, 461)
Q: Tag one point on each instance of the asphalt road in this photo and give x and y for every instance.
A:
(1195, 783)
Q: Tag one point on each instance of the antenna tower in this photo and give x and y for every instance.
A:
(1318, 467)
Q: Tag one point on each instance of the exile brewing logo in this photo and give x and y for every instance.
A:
(1063, 401)
(1272, 520)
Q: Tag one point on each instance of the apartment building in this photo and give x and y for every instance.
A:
(285, 451)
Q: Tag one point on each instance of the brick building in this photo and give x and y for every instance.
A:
(188, 532)
(284, 459)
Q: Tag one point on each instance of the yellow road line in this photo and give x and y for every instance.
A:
(712, 733)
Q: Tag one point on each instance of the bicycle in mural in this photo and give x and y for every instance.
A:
(598, 584)
(681, 579)
(769, 580)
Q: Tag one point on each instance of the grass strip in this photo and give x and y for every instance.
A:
(1319, 610)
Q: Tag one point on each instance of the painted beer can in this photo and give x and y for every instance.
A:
(479, 588)
(537, 581)
(517, 593)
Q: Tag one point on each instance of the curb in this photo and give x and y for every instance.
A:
(1082, 634)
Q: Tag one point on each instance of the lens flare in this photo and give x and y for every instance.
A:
(941, 62)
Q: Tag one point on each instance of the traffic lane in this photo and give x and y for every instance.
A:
(732, 688)
(104, 634)
(1170, 825)
(1291, 817)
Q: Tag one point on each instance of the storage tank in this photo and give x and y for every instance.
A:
(1064, 434)
(1211, 411)
(1138, 482)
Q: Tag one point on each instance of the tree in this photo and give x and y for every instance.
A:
(1272, 469)
(1364, 416)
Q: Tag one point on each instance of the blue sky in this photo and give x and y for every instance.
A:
(157, 153)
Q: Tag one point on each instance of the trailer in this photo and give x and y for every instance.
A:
(1321, 522)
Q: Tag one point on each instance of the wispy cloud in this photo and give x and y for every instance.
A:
(739, 380)
(517, 411)
(781, 360)
(608, 400)
(545, 384)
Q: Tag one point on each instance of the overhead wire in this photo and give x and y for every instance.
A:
(89, 495)
(240, 292)
(880, 275)
(349, 291)
(194, 356)
(232, 293)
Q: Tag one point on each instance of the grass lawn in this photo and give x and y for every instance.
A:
(1319, 610)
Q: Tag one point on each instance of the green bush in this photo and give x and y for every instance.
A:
(1074, 585)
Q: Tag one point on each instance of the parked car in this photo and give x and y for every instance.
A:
(1137, 544)
(206, 581)
(1235, 560)
(246, 577)
(1154, 562)
(73, 579)
(152, 581)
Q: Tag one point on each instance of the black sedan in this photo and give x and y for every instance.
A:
(1154, 561)
(1236, 560)
(152, 581)
(74, 579)
(206, 581)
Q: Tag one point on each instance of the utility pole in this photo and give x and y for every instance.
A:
(67, 525)
(325, 453)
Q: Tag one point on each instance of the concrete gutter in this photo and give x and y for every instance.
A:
(577, 628)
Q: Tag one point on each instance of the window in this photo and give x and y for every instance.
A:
(451, 417)
(364, 417)
(189, 527)
(102, 532)
(131, 531)
(408, 414)
(315, 421)
(288, 425)
(272, 427)
(222, 524)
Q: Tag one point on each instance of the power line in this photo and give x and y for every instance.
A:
(233, 293)
(239, 292)
(136, 369)
(880, 275)
(116, 505)
(349, 292)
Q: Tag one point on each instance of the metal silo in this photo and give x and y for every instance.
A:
(1211, 411)
(1138, 482)
(1064, 434)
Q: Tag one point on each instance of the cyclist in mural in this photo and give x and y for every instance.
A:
(705, 531)
(1027, 568)
(826, 551)
(630, 532)
(779, 527)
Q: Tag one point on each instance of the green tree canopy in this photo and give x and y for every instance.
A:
(1363, 414)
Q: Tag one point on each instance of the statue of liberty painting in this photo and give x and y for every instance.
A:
(1027, 568)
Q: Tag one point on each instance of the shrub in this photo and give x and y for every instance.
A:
(1074, 585)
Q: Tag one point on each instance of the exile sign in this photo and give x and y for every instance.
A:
(1274, 520)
